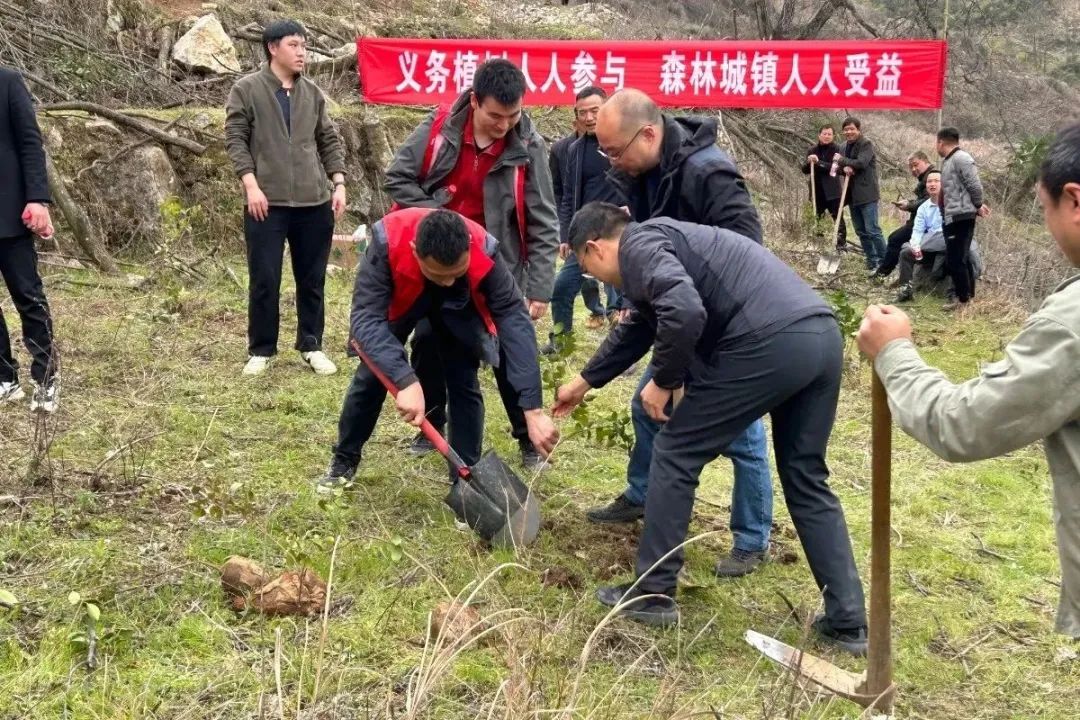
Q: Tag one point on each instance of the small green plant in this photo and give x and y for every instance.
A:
(215, 500)
(847, 317)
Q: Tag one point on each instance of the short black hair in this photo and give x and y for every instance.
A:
(949, 135)
(851, 120)
(596, 220)
(1062, 163)
(278, 30)
(443, 237)
(827, 126)
(590, 91)
(501, 79)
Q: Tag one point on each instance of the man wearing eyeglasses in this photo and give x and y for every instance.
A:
(671, 167)
(582, 178)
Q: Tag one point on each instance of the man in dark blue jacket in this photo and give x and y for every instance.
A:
(724, 318)
(24, 212)
(435, 265)
(582, 179)
(671, 167)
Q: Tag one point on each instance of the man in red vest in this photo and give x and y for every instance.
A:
(439, 267)
(484, 158)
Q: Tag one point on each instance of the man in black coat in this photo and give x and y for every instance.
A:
(826, 193)
(920, 167)
(436, 266)
(724, 317)
(24, 212)
(858, 160)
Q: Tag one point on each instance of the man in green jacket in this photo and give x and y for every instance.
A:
(1032, 394)
(286, 152)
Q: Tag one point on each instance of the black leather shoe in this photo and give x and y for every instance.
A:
(620, 510)
(658, 610)
(852, 640)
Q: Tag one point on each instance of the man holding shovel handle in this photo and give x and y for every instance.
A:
(435, 265)
(1031, 394)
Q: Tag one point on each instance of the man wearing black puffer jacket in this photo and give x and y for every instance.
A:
(671, 167)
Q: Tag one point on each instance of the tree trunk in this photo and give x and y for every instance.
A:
(78, 221)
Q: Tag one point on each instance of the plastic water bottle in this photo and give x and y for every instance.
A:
(835, 165)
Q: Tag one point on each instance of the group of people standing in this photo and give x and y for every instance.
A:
(645, 202)
(944, 230)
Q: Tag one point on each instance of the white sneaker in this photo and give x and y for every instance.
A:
(46, 398)
(11, 392)
(256, 365)
(319, 362)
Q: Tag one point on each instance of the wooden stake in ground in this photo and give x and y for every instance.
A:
(874, 688)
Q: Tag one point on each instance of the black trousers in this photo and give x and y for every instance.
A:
(897, 238)
(18, 266)
(833, 208)
(723, 396)
(958, 236)
(364, 401)
(908, 263)
(429, 367)
(309, 231)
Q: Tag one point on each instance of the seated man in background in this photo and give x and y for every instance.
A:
(435, 265)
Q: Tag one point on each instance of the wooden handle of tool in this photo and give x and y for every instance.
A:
(840, 210)
(426, 427)
(879, 662)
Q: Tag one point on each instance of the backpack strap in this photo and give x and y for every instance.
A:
(435, 139)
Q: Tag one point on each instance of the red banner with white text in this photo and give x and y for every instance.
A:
(844, 74)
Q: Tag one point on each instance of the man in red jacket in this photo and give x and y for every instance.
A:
(435, 266)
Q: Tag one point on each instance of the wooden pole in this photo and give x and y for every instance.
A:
(945, 37)
(879, 663)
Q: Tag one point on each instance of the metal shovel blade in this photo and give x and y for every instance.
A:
(496, 504)
(820, 672)
(828, 263)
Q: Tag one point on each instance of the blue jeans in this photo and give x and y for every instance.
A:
(751, 494)
(865, 219)
(567, 284)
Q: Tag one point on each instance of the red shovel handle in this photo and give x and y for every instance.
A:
(426, 427)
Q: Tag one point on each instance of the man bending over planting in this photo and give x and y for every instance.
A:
(724, 318)
(435, 265)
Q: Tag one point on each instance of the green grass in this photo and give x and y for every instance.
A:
(164, 461)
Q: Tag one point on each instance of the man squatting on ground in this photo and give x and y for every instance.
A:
(484, 159)
(1031, 394)
(724, 318)
(436, 266)
(671, 167)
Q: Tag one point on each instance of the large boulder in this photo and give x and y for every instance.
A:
(207, 48)
(130, 193)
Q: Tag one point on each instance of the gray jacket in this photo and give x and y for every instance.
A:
(292, 168)
(1027, 396)
(535, 272)
(961, 189)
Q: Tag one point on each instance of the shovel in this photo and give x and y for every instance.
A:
(829, 261)
(875, 687)
(488, 496)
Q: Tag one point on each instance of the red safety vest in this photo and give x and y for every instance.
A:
(408, 281)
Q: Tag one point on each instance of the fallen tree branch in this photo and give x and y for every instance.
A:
(334, 65)
(119, 117)
(47, 85)
(78, 221)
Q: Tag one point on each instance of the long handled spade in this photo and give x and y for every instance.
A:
(488, 496)
(874, 688)
(829, 262)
